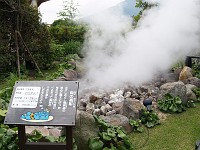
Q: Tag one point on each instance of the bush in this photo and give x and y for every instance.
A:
(72, 47)
(149, 118)
(110, 138)
(170, 104)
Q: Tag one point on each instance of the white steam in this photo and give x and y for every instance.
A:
(117, 54)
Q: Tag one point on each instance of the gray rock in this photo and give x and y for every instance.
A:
(111, 113)
(93, 98)
(118, 107)
(55, 132)
(44, 131)
(83, 108)
(111, 102)
(127, 94)
(103, 110)
(108, 107)
(105, 99)
(185, 73)
(175, 89)
(97, 112)
(85, 128)
(60, 79)
(171, 77)
(135, 95)
(143, 89)
(99, 102)
(193, 80)
(70, 75)
(83, 102)
(118, 120)
(131, 108)
(90, 108)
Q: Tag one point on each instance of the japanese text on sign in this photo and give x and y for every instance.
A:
(26, 97)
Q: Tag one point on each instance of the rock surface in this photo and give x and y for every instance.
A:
(85, 128)
(118, 120)
(175, 89)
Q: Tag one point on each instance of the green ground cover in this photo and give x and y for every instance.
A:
(179, 132)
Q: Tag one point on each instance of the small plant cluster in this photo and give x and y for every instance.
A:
(5, 95)
(196, 68)
(36, 136)
(136, 125)
(171, 104)
(110, 137)
(197, 93)
(8, 138)
(149, 118)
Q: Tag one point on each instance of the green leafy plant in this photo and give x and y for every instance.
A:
(136, 125)
(190, 103)
(8, 138)
(170, 104)
(197, 93)
(149, 118)
(196, 67)
(36, 136)
(110, 137)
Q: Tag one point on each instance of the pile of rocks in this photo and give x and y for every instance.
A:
(117, 106)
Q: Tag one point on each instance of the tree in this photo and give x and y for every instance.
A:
(69, 11)
(18, 16)
(143, 5)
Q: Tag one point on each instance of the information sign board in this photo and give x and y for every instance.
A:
(43, 103)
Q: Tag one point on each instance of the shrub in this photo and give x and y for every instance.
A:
(149, 118)
(197, 93)
(136, 125)
(110, 137)
(170, 104)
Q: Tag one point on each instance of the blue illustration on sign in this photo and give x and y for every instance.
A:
(40, 116)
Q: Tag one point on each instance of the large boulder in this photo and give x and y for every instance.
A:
(171, 77)
(118, 120)
(70, 75)
(193, 80)
(175, 89)
(185, 73)
(131, 108)
(84, 129)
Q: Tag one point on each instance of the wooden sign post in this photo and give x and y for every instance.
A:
(43, 103)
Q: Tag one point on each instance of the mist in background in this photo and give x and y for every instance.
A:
(117, 54)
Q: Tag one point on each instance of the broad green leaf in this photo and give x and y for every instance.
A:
(111, 132)
(51, 139)
(3, 112)
(95, 144)
(106, 136)
(178, 100)
(149, 124)
(121, 134)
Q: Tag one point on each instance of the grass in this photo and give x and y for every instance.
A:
(178, 132)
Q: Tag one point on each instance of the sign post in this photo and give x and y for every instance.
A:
(43, 103)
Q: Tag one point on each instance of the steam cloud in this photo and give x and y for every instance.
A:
(117, 54)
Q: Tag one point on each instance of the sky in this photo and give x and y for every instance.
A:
(50, 9)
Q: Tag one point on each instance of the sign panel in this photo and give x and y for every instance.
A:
(43, 103)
